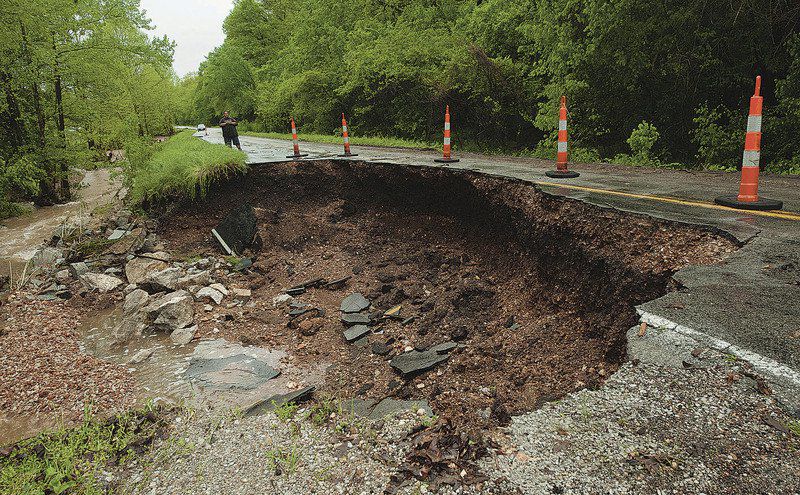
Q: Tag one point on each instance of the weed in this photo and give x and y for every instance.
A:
(71, 460)
(285, 461)
(326, 408)
(794, 426)
(286, 411)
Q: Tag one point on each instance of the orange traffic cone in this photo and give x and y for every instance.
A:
(562, 171)
(748, 186)
(295, 144)
(446, 158)
(346, 139)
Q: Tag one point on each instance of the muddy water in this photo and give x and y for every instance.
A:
(163, 376)
(20, 237)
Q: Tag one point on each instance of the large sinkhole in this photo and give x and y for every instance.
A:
(539, 289)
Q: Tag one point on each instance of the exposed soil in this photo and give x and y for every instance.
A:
(539, 289)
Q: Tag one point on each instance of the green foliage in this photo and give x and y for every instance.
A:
(183, 166)
(719, 137)
(77, 77)
(642, 140)
(18, 177)
(389, 142)
(503, 65)
(72, 460)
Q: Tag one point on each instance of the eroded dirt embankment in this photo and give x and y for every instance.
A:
(539, 289)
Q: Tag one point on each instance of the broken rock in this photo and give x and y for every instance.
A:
(356, 332)
(354, 303)
(413, 362)
(100, 282)
(183, 336)
(138, 269)
(355, 319)
(207, 293)
(171, 311)
(134, 301)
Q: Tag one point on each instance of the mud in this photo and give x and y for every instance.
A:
(540, 290)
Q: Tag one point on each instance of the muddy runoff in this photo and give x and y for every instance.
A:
(527, 295)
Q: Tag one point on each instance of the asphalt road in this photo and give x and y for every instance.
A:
(748, 306)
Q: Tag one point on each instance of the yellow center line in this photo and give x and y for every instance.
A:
(785, 215)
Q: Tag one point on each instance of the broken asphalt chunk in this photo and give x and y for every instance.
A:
(356, 332)
(354, 303)
(414, 362)
(295, 291)
(237, 229)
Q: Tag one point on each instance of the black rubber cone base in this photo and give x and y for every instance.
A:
(558, 174)
(301, 155)
(348, 154)
(446, 160)
(762, 204)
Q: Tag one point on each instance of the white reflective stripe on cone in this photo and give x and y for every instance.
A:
(562, 125)
(347, 140)
(751, 158)
(344, 128)
(447, 126)
(754, 123)
(447, 140)
(562, 147)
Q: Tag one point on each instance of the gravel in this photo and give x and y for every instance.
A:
(655, 429)
(238, 456)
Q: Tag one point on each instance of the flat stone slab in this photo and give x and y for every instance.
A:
(444, 347)
(224, 365)
(354, 303)
(271, 403)
(356, 332)
(414, 362)
(355, 319)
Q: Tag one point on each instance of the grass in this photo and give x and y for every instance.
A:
(388, 142)
(183, 166)
(285, 461)
(73, 460)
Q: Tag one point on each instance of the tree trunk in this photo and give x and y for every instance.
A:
(16, 130)
(62, 134)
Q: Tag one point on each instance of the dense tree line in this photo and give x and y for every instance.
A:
(77, 77)
(686, 69)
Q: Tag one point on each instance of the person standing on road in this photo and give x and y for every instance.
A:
(229, 132)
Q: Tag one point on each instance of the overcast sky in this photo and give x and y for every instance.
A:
(195, 25)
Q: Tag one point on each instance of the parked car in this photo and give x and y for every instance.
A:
(202, 128)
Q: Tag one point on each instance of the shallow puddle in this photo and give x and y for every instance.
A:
(212, 373)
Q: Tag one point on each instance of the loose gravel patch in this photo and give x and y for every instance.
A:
(653, 429)
(44, 373)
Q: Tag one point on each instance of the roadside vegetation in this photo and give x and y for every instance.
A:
(388, 142)
(661, 74)
(77, 78)
(72, 460)
(182, 166)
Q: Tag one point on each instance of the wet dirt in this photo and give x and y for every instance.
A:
(539, 289)
(21, 237)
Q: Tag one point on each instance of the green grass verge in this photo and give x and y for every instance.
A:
(73, 460)
(388, 142)
(183, 166)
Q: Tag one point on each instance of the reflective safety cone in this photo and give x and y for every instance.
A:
(446, 158)
(748, 198)
(295, 144)
(346, 137)
(562, 171)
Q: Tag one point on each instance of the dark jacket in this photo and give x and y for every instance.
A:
(229, 129)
